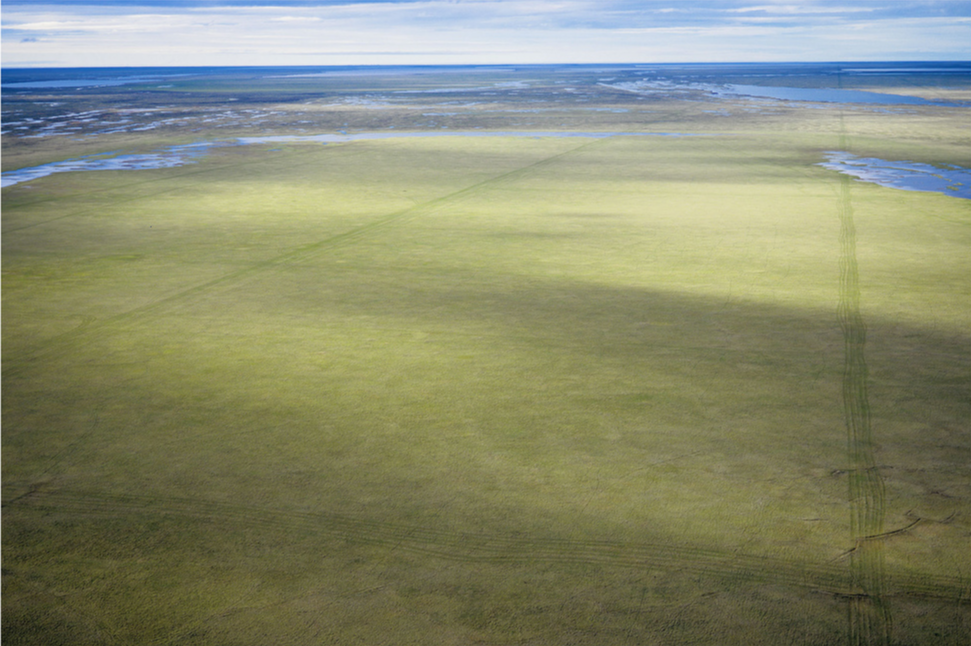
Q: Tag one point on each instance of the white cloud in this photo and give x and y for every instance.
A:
(476, 31)
(295, 19)
(801, 10)
(101, 25)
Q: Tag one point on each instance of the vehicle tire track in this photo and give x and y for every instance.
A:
(870, 619)
(65, 342)
(472, 547)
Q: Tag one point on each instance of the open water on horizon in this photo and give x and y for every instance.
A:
(829, 95)
(718, 80)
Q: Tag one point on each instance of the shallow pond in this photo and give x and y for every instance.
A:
(165, 158)
(909, 176)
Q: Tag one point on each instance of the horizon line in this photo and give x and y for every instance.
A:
(496, 65)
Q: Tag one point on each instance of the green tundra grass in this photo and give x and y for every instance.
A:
(493, 390)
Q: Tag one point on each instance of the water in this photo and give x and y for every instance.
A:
(827, 95)
(83, 82)
(909, 176)
(165, 158)
(74, 83)
(779, 93)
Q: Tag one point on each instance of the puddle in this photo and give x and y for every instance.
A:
(908, 176)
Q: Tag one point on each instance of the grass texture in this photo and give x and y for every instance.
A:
(505, 390)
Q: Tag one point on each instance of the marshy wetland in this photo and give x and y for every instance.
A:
(478, 355)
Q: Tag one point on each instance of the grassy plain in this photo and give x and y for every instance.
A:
(497, 390)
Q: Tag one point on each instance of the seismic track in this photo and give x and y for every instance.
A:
(66, 342)
(870, 621)
(726, 564)
(189, 171)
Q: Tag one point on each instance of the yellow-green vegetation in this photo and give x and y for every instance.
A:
(497, 390)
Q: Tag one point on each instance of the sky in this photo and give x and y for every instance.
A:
(133, 33)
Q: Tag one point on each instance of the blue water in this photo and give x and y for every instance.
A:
(909, 176)
(79, 83)
(165, 158)
(828, 95)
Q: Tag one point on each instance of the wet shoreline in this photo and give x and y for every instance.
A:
(953, 181)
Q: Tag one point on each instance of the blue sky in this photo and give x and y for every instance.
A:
(81, 33)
